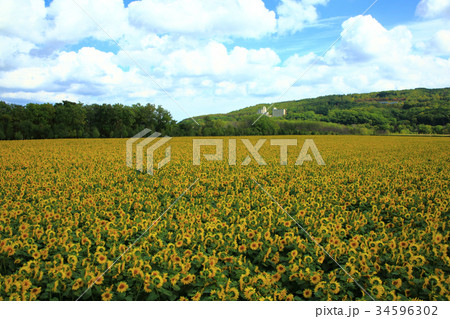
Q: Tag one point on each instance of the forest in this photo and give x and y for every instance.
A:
(418, 111)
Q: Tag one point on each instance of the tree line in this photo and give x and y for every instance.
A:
(418, 111)
(76, 120)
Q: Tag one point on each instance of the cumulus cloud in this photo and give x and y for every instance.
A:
(24, 19)
(438, 45)
(14, 52)
(295, 15)
(365, 39)
(187, 48)
(433, 8)
(241, 18)
(70, 22)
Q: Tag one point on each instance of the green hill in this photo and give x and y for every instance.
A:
(417, 111)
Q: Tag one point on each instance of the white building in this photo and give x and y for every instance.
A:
(263, 111)
(278, 113)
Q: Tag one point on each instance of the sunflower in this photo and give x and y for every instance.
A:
(242, 248)
(26, 284)
(187, 279)
(307, 293)
(101, 259)
(315, 278)
(35, 291)
(10, 250)
(281, 269)
(78, 284)
(135, 271)
(375, 281)
(122, 287)
(107, 296)
(294, 253)
(179, 243)
(197, 296)
(249, 292)
(158, 281)
(174, 279)
(233, 293)
(254, 245)
(98, 280)
(377, 291)
(147, 287)
(321, 259)
(437, 238)
(36, 255)
(308, 259)
(276, 277)
(335, 287)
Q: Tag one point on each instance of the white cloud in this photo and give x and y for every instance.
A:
(24, 19)
(433, 8)
(71, 21)
(295, 15)
(241, 18)
(438, 45)
(14, 52)
(365, 39)
(207, 73)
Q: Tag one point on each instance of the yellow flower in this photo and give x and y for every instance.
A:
(233, 293)
(35, 291)
(107, 296)
(26, 284)
(377, 291)
(188, 279)
(334, 287)
(147, 287)
(437, 238)
(397, 283)
(249, 292)
(307, 293)
(78, 284)
(315, 278)
(276, 277)
(375, 281)
(197, 296)
(281, 269)
(321, 259)
(101, 259)
(158, 281)
(122, 287)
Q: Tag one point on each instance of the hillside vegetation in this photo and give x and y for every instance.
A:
(422, 111)
(418, 111)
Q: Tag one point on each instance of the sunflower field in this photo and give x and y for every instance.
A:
(72, 212)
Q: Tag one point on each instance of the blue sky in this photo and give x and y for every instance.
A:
(197, 57)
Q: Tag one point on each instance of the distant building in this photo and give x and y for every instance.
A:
(278, 113)
(263, 111)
